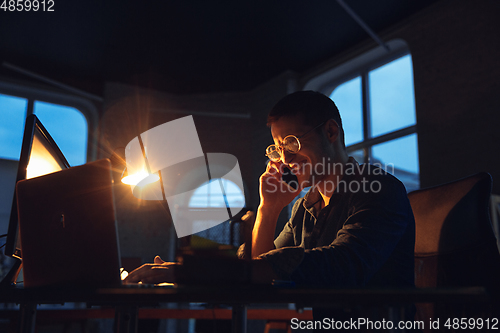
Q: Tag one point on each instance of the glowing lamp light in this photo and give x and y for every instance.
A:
(142, 177)
(173, 151)
(138, 166)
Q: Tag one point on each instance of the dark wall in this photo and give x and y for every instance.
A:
(455, 47)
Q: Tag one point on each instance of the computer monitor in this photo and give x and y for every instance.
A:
(40, 155)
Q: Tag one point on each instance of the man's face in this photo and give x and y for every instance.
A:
(308, 164)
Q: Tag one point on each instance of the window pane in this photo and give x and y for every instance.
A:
(210, 195)
(358, 155)
(68, 128)
(347, 97)
(12, 115)
(399, 157)
(392, 103)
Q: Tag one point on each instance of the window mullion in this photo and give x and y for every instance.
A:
(30, 106)
(365, 93)
(383, 138)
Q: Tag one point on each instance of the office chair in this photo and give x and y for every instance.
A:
(455, 245)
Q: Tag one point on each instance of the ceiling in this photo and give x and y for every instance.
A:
(186, 46)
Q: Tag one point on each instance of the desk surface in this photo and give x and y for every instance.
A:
(247, 294)
(127, 300)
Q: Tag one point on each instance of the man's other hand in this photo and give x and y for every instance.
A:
(158, 272)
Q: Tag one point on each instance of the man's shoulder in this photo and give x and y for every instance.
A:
(375, 189)
(372, 185)
(370, 173)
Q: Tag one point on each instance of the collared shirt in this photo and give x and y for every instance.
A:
(365, 236)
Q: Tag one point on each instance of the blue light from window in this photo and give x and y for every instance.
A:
(347, 97)
(12, 115)
(392, 101)
(399, 157)
(68, 127)
(210, 195)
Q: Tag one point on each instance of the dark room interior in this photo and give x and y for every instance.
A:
(129, 66)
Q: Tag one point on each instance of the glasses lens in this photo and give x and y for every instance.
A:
(273, 153)
(291, 144)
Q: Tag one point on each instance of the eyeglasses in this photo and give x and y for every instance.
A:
(290, 143)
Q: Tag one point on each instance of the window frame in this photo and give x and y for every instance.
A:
(32, 94)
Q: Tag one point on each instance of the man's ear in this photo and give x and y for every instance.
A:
(332, 130)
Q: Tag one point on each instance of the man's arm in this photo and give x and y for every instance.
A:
(274, 196)
(263, 231)
(368, 238)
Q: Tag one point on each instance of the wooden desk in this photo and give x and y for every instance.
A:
(131, 303)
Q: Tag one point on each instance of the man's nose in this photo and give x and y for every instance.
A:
(286, 157)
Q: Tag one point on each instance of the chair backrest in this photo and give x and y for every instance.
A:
(455, 245)
(454, 240)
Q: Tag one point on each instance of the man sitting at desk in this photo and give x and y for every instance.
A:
(354, 227)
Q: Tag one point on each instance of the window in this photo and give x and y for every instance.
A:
(210, 195)
(70, 120)
(68, 127)
(375, 96)
(378, 114)
(13, 114)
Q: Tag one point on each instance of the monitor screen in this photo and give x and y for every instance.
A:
(39, 156)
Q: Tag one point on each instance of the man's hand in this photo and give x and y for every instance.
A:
(274, 196)
(273, 191)
(158, 272)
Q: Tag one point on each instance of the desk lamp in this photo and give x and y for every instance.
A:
(172, 154)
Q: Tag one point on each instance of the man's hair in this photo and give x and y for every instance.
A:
(312, 107)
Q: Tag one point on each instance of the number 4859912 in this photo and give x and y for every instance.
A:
(472, 323)
(27, 5)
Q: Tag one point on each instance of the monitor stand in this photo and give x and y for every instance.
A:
(10, 279)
